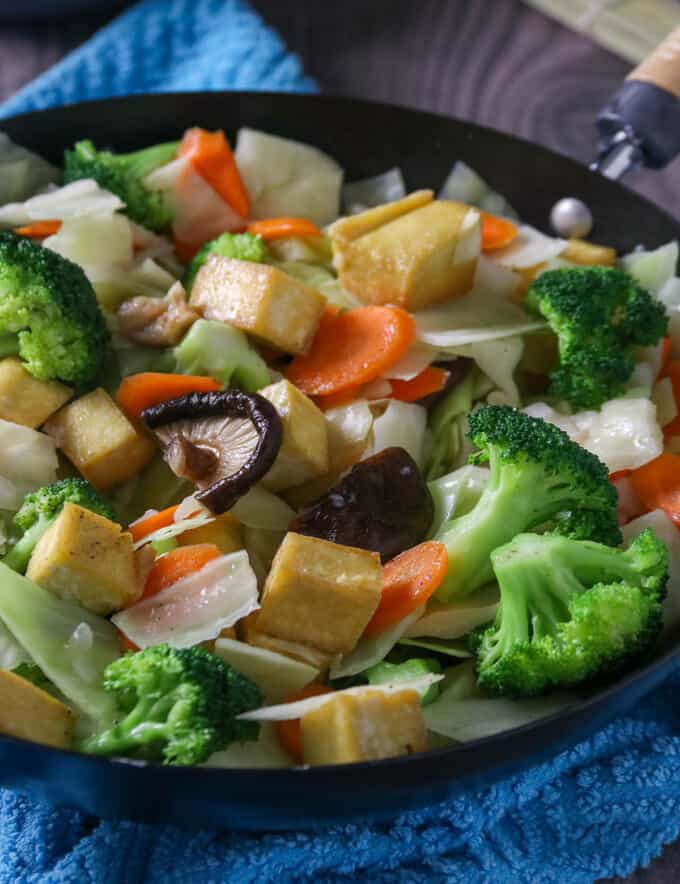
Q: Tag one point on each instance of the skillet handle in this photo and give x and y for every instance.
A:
(640, 126)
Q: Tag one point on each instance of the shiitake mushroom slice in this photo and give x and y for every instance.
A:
(382, 504)
(222, 442)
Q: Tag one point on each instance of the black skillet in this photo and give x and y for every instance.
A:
(366, 139)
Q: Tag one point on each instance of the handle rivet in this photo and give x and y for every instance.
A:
(571, 217)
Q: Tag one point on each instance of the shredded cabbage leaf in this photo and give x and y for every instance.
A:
(458, 617)
(403, 425)
(388, 187)
(74, 200)
(22, 172)
(276, 675)
(464, 185)
(372, 649)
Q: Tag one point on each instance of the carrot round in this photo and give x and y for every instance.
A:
(657, 485)
(142, 527)
(665, 351)
(176, 564)
(278, 228)
(290, 732)
(496, 232)
(352, 348)
(39, 229)
(430, 380)
(214, 161)
(408, 582)
(139, 391)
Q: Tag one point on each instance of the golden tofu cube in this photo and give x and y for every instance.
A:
(363, 727)
(225, 533)
(87, 559)
(99, 440)
(259, 299)
(320, 593)
(581, 252)
(30, 713)
(26, 400)
(304, 450)
(248, 633)
(415, 252)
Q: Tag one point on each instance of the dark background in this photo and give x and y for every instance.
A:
(497, 62)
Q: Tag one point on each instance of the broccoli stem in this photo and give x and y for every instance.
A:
(146, 724)
(9, 345)
(18, 557)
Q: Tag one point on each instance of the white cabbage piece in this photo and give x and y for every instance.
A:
(451, 647)
(259, 508)
(285, 177)
(456, 493)
(49, 629)
(22, 172)
(624, 434)
(290, 711)
(264, 752)
(498, 360)
(464, 185)
(196, 608)
(458, 617)
(348, 427)
(670, 298)
(276, 675)
(28, 460)
(403, 425)
(321, 279)
(11, 652)
(529, 248)
(666, 530)
(73, 200)
(654, 268)
(485, 313)
(388, 187)
(372, 649)
(195, 520)
(463, 713)
(416, 359)
(663, 398)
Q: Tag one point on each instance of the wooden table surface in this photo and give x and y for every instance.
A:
(497, 62)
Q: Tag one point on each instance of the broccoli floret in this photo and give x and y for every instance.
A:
(41, 508)
(243, 246)
(223, 352)
(178, 706)
(570, 611)
(392, 673)
(538, 477)
(598, 314)
(49, 313)
(124, 174)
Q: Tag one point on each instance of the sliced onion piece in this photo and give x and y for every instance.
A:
(529, 248)
(196, 608)
(290, 711)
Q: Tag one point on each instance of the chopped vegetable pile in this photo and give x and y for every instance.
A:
(338, 471)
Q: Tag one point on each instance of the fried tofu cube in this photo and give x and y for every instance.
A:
(248, 633)
(320, 593)
(304, 450)
(225, 533)
(27, 400)
(87, 559)
(414, 252)
(99, 440)
(363, 727)
(30, 713)
(259, 299)
(581, 252)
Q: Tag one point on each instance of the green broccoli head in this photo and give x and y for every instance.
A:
(49, 313)
(538, 477)
(598, 314)
(178, 706)
(124, 174)
(243, 246)
(41, 508)
(571, 611)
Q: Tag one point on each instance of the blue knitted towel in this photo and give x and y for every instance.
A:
(602, 808)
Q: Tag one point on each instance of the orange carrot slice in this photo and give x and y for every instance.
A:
(176, 564)
(39, 229)
(278, 228)
(496, 232)
(430, 380)
(290, 732)
(142, 527)
(657, 485)
(352, 348)
(665, 350)
(139, 391)
(212, 157)
(408, 582)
